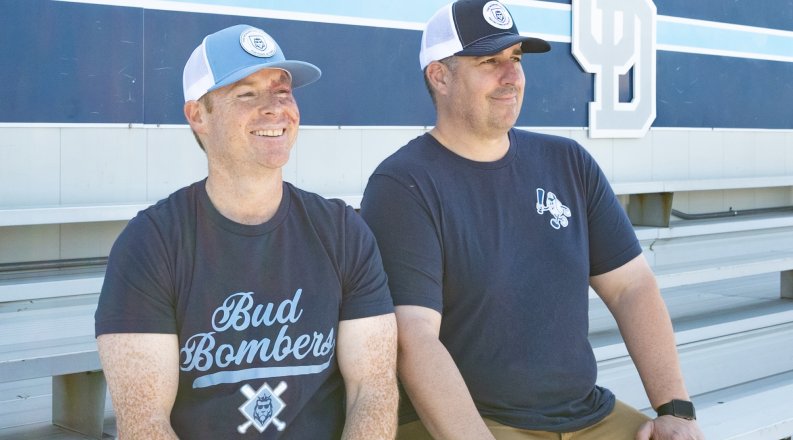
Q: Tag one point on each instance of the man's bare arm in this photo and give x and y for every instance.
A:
(366, 350)
(632, 295)
(142, 372)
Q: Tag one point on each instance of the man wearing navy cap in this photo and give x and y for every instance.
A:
(491, 237)
(241, 306)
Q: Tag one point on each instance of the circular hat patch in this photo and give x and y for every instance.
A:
(257, 43)
(497, 15)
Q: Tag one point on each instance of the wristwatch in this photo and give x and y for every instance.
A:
(678, 408)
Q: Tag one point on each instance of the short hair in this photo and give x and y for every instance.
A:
(451, 63)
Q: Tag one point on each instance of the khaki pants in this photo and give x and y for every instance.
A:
(621, 423)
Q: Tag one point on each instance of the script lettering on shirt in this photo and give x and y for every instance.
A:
(239, 312)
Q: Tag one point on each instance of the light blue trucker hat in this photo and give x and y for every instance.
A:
(231, 54)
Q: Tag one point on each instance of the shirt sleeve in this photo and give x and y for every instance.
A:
(137, 294)
(407, 235)
(365, 285)
(612, 239)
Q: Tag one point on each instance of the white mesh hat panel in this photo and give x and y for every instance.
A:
(439, 39)
(197, 77)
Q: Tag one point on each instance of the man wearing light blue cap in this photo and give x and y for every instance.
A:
(242, 306)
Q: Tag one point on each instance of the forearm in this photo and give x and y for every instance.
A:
(631, 294)
(649, 337)
(371, 413)
(154, 428)
(367, 349)
(438, 392)
(142, 372)
(650, 340)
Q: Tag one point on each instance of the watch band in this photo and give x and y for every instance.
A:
(677, 408)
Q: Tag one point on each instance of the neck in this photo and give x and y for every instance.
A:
(472, 145)
(245, 200)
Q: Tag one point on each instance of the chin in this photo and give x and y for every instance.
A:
(504, 123)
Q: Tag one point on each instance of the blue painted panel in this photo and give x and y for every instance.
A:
(387, 88)
(370, 76)
(775, 14)
(709, 91)
(85, 63)
(557, 89)
(77, 63)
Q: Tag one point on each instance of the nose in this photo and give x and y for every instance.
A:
(270, 103)
(511, 73)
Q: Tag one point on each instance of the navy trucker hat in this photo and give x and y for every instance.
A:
(473, 28)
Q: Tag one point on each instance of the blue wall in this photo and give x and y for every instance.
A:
(83, 63)
(70, 63)
(775, 14)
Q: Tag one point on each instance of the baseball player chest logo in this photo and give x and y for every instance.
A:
(262, 407)
(550, 203)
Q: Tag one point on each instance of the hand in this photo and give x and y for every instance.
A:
(670, 428)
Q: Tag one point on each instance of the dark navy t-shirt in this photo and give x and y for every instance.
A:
(256, 309)
(504, 251)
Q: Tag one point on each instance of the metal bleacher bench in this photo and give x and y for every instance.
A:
(55, 339)
(719, 268)
(56, 214)
(47, 318)
(46, 321)
(650, 202)
(649, 208)
(739, 365)
(737, 369)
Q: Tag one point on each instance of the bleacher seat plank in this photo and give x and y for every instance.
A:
(57, 214)
(24, 411)
(54, 338)
(47, 338)
(63, 214)
(51, 286)
(710, 364)
(716, 269)
(58, 357)
(650, 202)
(760, 409)
(660, 186)
(692, 228)
(725, 268)
(687, 334)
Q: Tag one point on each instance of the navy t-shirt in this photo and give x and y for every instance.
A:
(504, 251)
(256, 309)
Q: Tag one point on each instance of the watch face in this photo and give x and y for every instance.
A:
(683, 409)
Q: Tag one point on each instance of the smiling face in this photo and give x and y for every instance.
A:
(486, 92)
(250, 125)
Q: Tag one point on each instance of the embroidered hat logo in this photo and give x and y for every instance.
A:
(257, 43)
(495, 14)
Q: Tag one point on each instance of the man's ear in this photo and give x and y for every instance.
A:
(438, 77)
(195, 113)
